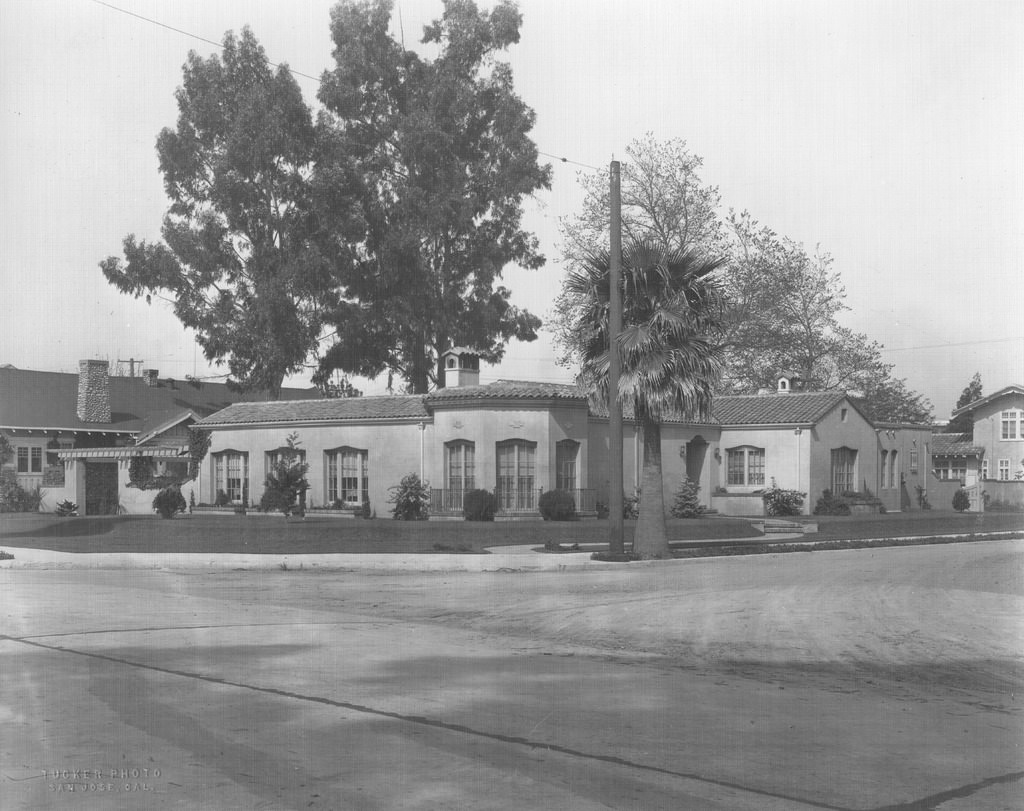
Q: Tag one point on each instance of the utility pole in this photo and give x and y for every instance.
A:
(615, 542)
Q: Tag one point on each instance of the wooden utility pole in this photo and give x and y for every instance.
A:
(615, 542)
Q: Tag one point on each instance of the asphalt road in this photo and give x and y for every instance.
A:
(870, 679)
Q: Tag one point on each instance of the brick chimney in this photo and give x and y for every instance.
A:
(93, 391)
(150, 376)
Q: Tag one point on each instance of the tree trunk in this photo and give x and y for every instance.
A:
(651, 539)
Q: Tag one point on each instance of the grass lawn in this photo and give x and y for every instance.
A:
(259, 534)
(262, 534)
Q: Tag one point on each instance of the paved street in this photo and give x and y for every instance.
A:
(870, 679)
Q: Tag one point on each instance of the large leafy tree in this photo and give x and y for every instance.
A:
(784, 304)
(240, 259)
(672, 311)
(422, 171)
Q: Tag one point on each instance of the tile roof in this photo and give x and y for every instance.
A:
(516, 389)
(32, 399)
(787, 409)
(954, 445)
(330, 410)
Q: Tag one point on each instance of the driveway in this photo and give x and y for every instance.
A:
(869, 679)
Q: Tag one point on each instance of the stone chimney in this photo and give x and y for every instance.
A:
(93, 391)
(461, 367)
(150, 376)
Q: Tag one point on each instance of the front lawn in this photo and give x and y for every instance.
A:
(263, 534)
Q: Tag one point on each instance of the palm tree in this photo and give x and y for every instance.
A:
(672, 309)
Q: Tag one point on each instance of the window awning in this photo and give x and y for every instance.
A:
(122, 453)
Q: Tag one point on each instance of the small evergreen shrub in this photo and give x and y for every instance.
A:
(961, 501)
(411, 498)
(631, 506)
(66, 508)
(779, 502)
(687, 503)
(286, 481)
(365, 511)
(169, 501)
(922, 498)
(557, 505)
(479, 505)
(222, 499)
(16, 499)
(830, 504)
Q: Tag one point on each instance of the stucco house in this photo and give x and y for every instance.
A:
(74, 436)
(519, 438)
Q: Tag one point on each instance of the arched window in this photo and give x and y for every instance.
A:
(844, 470)
(230, 476)
(348, 476)
(745, 466)
(566, 452)
(514, 486)
(460, 465)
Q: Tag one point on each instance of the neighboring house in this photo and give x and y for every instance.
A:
(955, 457)
(999, 433)
(519, 438)
(75, 435)
(994, 458)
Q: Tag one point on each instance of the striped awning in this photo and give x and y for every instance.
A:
(156, 451)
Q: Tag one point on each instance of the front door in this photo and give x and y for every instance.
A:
(101, 488)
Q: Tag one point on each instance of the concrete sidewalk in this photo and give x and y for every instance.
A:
(524, 558)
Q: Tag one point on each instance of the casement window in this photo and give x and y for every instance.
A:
(231, 475)
(1012, 424)
(515, 474)
(1004, 470)
(745, 466)
(913, 461)
(884, 466)
(894, 470)
(844, 470)
(460, 465)
(30, 459)
(348, 476)
(566, 452)
(984, 468)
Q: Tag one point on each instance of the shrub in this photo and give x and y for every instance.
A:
(557, 505)
(222, 499)
(922, 498)
(169, 501)
(16, 499)
(66, 508)
(631, 506)
(830, 504)
(365, 511)
(479, 505)
(778, 501)
(411, 498)
(687, 503)
(961, 501)
(602, 510)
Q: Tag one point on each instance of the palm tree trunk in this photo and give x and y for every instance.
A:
(651, 539)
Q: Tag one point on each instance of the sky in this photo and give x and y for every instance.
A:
(887, 132)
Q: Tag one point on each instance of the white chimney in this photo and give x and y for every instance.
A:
(461, 367)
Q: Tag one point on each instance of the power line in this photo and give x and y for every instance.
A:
(289, 68)
(195, 36)
(961, 343)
